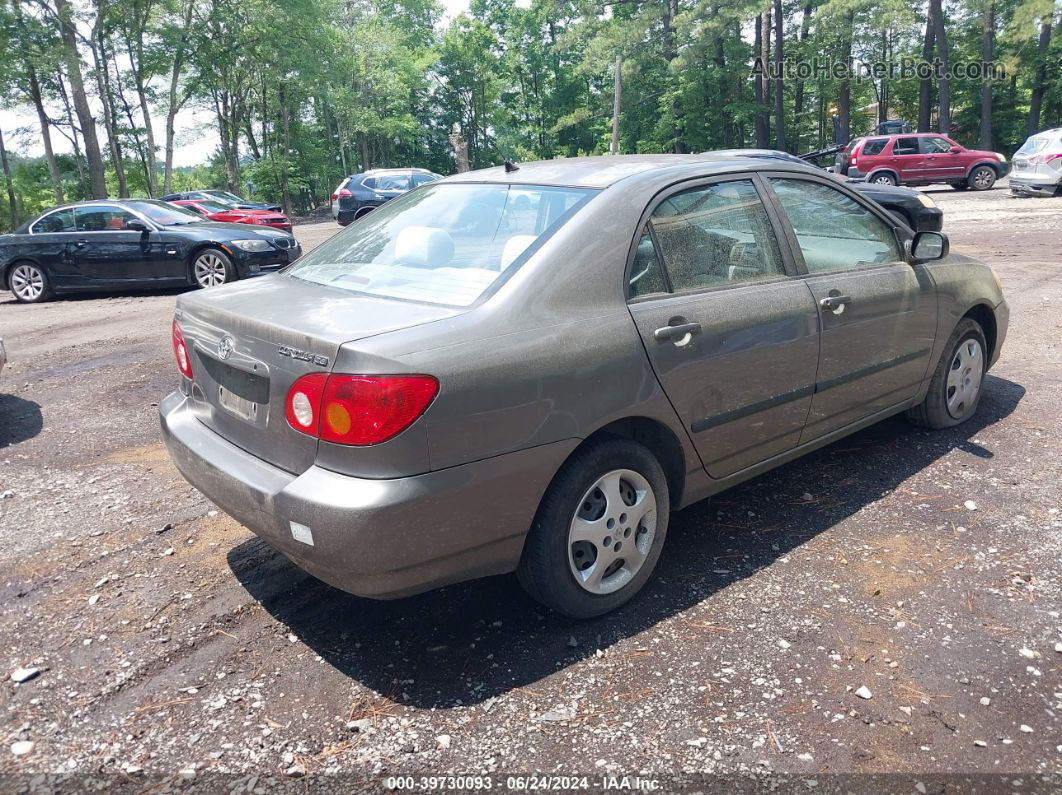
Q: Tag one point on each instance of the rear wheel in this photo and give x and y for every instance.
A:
(884, 178)
(955, 388)
(212, 267)
(599, 530)
(981, 178)
(29, 283)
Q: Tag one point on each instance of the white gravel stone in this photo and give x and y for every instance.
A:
(864, 692)
(22, 747)
(20, 675)
(1026, 728)
(443, 740)
(970, 505)
(985, 701)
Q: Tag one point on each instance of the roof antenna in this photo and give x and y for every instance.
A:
(510, 167)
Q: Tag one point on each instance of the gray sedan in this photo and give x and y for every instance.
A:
(528, 369)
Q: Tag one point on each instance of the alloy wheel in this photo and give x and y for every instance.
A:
(964, 378)
(27, 282)
(883, 180)
(210, 270)
(983, 178)
(612, 531)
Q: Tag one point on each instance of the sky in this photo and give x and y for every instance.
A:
(195, 136)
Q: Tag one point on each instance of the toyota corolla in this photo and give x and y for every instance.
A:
(530, 368)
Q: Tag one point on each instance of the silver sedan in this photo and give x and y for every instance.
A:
(529, 368)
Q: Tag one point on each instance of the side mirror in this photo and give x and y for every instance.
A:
(955, 150)
(136, 225)
(928, 246)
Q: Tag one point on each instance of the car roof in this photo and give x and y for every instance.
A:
(603, 171)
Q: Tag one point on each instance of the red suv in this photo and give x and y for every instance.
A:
(921, 159)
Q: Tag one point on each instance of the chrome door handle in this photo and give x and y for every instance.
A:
(834, 301)
(677, 332)
(81, 243)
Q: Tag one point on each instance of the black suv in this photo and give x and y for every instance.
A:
(361, 193)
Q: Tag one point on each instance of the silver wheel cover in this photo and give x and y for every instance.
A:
(27, 282)
(983, 177)
(883, 180)
(210, 270)
(964, 379)
(612, 531)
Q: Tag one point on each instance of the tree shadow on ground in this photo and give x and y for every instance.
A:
(20, 419)
(469, 642)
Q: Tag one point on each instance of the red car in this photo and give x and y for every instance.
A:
(921, 159)
(213, 211)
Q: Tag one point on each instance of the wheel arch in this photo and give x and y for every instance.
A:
(198, 249)
(995, 165)
(885, 170)
(661, 442)
(985, 317)
(7, 267)
(361, 212)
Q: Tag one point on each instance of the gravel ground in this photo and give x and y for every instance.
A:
(889, 604)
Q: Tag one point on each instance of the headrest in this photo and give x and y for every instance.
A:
(424, 246)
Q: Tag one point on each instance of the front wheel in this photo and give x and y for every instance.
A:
(29, 283)
(884, 179)
(212, 267)
(982, 178)
(599, 530)
(955, 388)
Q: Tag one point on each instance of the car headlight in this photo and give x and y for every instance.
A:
(252, 245)
(925, 201)
(1001, 158)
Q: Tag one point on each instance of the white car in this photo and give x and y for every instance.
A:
(1038, 165)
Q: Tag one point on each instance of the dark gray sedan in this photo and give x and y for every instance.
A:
(528, 370)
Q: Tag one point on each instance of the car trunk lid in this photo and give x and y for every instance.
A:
(250, 341)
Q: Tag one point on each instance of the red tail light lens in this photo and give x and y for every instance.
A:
(358, 410)
(180, 351)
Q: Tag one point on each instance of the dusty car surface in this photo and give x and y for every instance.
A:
(528, 370)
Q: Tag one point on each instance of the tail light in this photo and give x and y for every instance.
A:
(342, 193)
(1045, 159)
(180, 351)
(358, 410)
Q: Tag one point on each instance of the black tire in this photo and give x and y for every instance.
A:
(546, 570)
(933, 412)
(212, 267)
(29, 283)
(981, 178)
(884, 178)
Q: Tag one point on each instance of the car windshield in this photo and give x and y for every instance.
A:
(446, 243)
(164, 213)
(213, 207)
(225, 195)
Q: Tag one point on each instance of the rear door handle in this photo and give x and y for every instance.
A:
(81, 243)
(677, 332)
(835, 301)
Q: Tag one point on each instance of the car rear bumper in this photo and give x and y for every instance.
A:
(1035, 186)
(375, 538)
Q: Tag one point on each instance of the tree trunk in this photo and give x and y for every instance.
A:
(10, 183)
(1040, 84)
(762, 132)
(844, 99)
(285, 127)
(798, 89)
(617, 87)
(722, 83)
(175, 102)
(103, 82)
(145, 112)
(779, 79)
(68, 35)
(79, 160)
(988, 32)
(944, 84)
(46, 133)
(883, 88)
(925, 84)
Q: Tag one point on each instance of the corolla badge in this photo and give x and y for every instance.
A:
(302, 356)
(225, 347)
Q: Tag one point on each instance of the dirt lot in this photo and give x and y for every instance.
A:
(173, 645)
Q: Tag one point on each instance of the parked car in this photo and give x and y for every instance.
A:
(1038, 165)
(3, 355)
(230, 200)
(359, 194)
(213, 211)
(122, 243)
(920, 159)
(913, 207)
(530, 369)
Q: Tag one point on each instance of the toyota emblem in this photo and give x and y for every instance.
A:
(225, 347)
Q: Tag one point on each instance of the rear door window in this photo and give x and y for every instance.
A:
(716, 235)
(102, 219)
(906, 146)
(931, 145)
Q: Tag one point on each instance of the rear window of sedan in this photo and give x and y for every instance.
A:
(446, 243)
